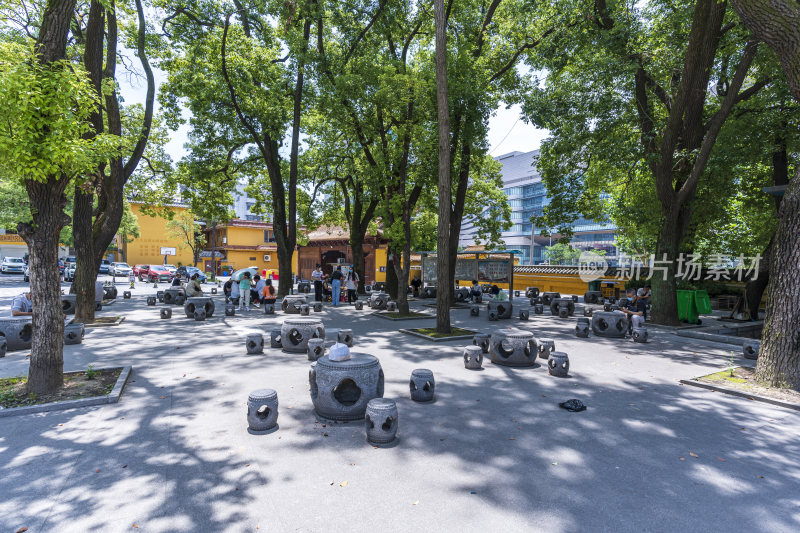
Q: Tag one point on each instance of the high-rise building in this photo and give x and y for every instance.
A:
(527, 197)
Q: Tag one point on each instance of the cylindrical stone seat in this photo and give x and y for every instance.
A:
(429, 291)
(538, 309)
(18, 331)
(345, 336)
(473, 357)
(502, 308)
(3, 346)
(391, 307)
(545, 347)
(262, 410)
(524, 314)
(512, 347)
(295, 333)
(587, 312)
(558, 303)
(482, 340)
(547, 297)
(255, 343)
(381, 421)
(340, 390)
(378, 300)
(750, 348)
(462, 294)
(304, 287)
(422, 385)
(358, 304)
(291, 304)
(318, 307)
(531, 292)
(199, 302)
(639, 335)
(166, 312)
(175, 296)
(275, 340)
(230, 310)
(582, 327)
(151, 300)
(73, 333)
(269, 309)
(558, 364)
(160, 296)
(126, 295)
(305, 309)
(591, 297)
(109, 292)
(475, 310)
(609, 324)
(379, 286)
(199, 314)
(485, 288)
(213, 290)
(69, 303)
(316, 349)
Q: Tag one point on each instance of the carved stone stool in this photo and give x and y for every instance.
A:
(275, 338)
(69, 303)
(175, 296)
(545, 347)
(501, 308)
(295, 333)
(305, 310)
(524, 314)
(475, 310)
(73, 333)
(166, 312)
(317, 307)
(422, 385)
(558, 364)
(269, 309)
(160, 296)
(381, 421)
(750, 348)
(345, 336)
(262, 409)
(391, 306)
(547, 297)
(291, 304)
(531, 292)
(340, 390)
(213, 290)
(512, 347)
(255, 343)
(18, 331)
(230, 310)
(126, 295)
(199, 315)
(582, 327)
(473, 357)
(482, 340)
(359, 305)
(3, 346)
(151, 300)
(538, 309)
(378, 300)
(639, 335)
(609, 324)
(316, 349)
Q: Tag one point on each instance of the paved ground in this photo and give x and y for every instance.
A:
(494, 452)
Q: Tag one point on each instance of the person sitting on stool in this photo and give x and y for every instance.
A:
(21, 305)
(635, 309)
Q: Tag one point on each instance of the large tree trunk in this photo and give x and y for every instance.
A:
(357, 245)
(284, 268)
(665, 297)
(86, 267)
(779, 356)
(444, 283)
(391, 273)
(401, 271)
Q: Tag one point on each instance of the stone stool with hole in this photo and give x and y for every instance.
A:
(73, 333)
(304, 287)
(582, 327)
(291, 303)
(340, 390)
(587, 312)
(317, 307)
(109, 292)
(18, 331)
(166, 312)
(512, 347)
(275, 340)
(213, 290)
(68, 303)
(262, 409)
(391, 307)
(462, 294)
(609, 324)
(524, 314)
(475, 310)
(556, 304)
(295, 333)
(422, 385)
(199, 315)
(531, 292)
(545, 347)
(98, 306)
(639, 335)
(151, 300)
(305, 310)
(199, 302)
(126, 295)
(538, 309)
(345, 336)
(501, 308)
(175, 296)
(359, 305)
(255, 343)
(381, 421)
(548, 296)
(473, 357)
(378, 300)
(230, 310)
(750, 348)
(269, 309)
(316, 349)
(160, 296)
(3, 346)
(429, 292)
(558, 364)
(591, 297)
(482, 340)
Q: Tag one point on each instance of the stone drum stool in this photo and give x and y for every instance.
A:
(345, 336)
(316, 349)
(305, 309)
(230, 310)
(524, 314)
(160, 296)
(639, 335)
(199, 315)
(291, 304)
(340, 390)
(199, 302)
(359, 305)
(391, 306)
(213, 290)
(318, 307)
(609, 324)
(255, 343)
(429, 292)
(501, 308)
(482, 340)
(109, 292)
(378, 300)
(73, 333)
(547, 297)
(473, 357)
(275, 339)
(531, 292)
(166, 312)
(512, 347)
(556, 304)
(538, 309)
(422, 385)
(381, 421)
(750, 348)
(475, 310)
(558, 364)
(262, 409)
(545, 347)
(3, 346)
(295, 333)
(68, 303)
(269, 309)
(126, 295)
(175, 296)
(151, 300)
(582, 327)
(18, 331)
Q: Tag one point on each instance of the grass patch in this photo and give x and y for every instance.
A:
(725, 375)
(76, 385)
(412, 314)
(454, 332)
(103, 320)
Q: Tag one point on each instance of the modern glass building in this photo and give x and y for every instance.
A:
(527, 197)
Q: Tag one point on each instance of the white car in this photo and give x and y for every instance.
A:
(120, 269)
(172, 269)
(12, 265)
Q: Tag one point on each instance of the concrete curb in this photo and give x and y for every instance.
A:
(441, 339)
(119, 321)
(381, 315)
(741, 394)
(112, 397)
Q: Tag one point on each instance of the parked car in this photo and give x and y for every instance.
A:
(172, 269)
(69, 272)
(188, 271)
(25, 276)
(140, 271)
(60, 267)
(104, 266)
(120, 269)
(12, 265)
(158, 273)
(69, 260)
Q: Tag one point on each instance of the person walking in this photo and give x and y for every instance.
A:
(316, 275)
(244, 290)
(351, 284)
(336, 286)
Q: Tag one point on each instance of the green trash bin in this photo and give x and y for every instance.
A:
(702, 302)
(692, 304)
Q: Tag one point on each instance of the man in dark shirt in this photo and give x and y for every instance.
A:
(336, 285)
(635, 309)
(416, 285)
